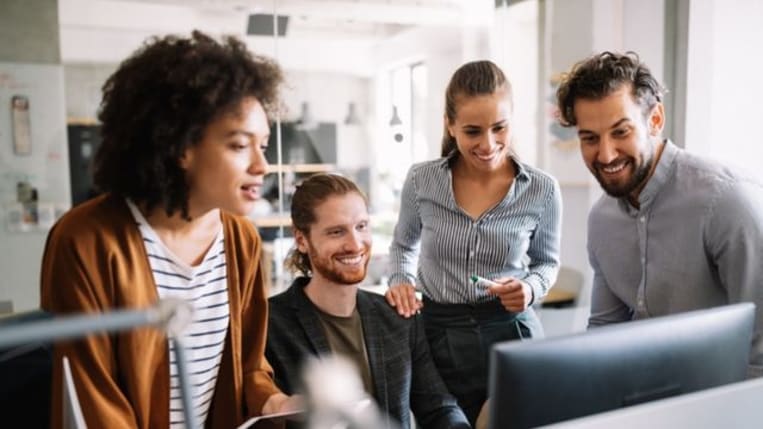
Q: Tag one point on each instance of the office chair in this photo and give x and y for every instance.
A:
(565, 291)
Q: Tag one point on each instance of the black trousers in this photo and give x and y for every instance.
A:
(460, 337)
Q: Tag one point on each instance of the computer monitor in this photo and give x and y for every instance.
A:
(540, 382)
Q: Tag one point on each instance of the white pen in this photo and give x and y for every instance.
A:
(482, 282)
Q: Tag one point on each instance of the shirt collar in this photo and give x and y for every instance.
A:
(659, 177)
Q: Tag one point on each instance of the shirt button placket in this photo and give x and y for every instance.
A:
(472, 246)
(641, 293)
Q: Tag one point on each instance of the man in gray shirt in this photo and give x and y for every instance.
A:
(674, 232)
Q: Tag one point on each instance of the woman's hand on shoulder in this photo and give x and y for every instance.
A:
(403, 298)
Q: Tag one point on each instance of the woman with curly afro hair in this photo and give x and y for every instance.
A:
(185, 126)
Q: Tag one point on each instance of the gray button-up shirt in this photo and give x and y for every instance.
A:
(519, 236)
(695, 242)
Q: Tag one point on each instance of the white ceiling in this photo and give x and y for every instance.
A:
(321, 34)
(344, 8)
(307, 18)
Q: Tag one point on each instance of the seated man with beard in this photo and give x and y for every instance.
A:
(323, 312)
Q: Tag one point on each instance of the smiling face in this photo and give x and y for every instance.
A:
(225, 170)
(481, 130)
(618, 141)
(339, 241)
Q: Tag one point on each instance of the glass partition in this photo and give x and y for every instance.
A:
(364, 93)
(382, 65)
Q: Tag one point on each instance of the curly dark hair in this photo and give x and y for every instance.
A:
(602, 74)
(471, 79)
(309, 194)
(158, 103)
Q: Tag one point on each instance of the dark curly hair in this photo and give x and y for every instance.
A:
(602, 74)
(158, 103)
(471, 79)
(309, 194)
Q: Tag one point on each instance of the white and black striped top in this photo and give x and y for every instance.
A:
(206, 286)
(437, 246)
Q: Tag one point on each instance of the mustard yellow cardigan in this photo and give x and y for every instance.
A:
(95, 261)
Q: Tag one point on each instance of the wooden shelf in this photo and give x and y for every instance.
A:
(72, 120)
(302, 168)
(273, 221)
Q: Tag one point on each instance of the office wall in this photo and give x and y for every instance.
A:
(516, 35)
(82, 87)
(29, 31)
(29, 66)
(723, 94)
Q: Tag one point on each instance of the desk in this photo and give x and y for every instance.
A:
(731, 406)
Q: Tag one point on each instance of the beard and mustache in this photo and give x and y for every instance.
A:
(636, 180)
(335, 271)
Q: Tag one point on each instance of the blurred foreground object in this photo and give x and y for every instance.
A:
(172, 316)
(336, 399)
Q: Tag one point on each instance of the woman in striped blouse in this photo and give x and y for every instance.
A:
(478, 235)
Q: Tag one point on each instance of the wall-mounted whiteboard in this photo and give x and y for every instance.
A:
(46, 167)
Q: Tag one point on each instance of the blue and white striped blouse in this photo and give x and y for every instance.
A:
(437, 246)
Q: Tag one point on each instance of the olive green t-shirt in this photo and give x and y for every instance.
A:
(345, 337)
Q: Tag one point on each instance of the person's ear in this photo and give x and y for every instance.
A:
(186, 158)
(300, 240)
(448, 126)
(657, 120)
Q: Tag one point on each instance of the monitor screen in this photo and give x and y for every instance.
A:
(540, 382)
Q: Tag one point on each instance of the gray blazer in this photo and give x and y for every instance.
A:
(404, 376)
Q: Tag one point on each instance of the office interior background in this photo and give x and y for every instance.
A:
(364, 96)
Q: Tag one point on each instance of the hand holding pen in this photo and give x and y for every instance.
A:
(515, 295)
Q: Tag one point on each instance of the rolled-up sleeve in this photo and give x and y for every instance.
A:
(404, 249)
(544, 246)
